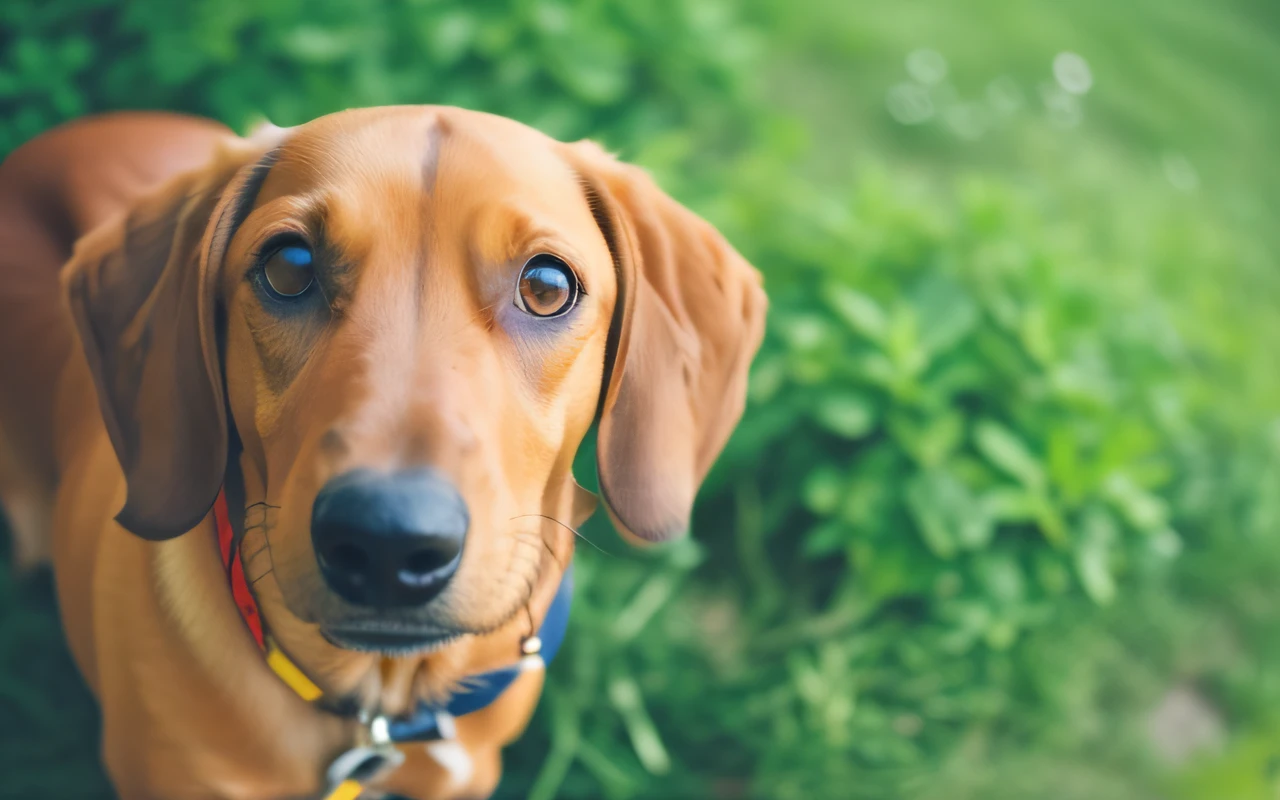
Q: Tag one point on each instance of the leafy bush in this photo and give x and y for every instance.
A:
(971, 428)
(627, 72)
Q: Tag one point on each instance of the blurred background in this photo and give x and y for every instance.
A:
(1003, 517)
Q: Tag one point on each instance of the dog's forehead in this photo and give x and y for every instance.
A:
(437, 150)
(437, 177)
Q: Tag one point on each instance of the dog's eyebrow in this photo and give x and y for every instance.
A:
(431, 159)
(235, 212)
(242, 203)
(600, 212)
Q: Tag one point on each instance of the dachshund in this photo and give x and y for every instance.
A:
(294, 416)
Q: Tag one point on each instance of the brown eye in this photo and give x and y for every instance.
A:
(547, 287)
(288, 271)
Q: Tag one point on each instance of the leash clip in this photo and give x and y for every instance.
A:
(373, 757)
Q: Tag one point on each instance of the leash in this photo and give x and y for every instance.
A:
(375, 753)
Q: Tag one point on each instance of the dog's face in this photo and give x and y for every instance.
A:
(408, 318)
(418, 308)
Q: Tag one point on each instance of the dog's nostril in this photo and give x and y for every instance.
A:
(348, 558)
(423, 561)
(426, 565)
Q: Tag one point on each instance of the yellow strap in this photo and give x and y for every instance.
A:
(347, 790)
(304, 688)
(300, 684)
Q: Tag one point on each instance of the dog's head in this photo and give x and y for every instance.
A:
(400, 323)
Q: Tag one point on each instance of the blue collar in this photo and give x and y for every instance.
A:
(435, 722)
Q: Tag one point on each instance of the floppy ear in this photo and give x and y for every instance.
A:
(142, 290)
(689, 318)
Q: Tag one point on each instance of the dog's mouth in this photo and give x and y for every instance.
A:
(387, 640)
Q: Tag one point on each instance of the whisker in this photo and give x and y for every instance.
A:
(545, 545)
(569, 528)
(265, 527)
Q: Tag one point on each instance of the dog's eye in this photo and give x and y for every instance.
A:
(288, 270)
(547, 287)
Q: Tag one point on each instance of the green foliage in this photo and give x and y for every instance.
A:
(1008, 470)
(972, 413)
(975, 452)
(620, 71)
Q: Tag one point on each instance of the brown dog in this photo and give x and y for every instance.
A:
(384, 334)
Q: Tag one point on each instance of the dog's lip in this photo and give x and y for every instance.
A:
(386, 639)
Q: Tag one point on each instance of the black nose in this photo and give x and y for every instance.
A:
(388, 540)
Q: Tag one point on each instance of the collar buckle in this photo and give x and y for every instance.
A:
(374, 756)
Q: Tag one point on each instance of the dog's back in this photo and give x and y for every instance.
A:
(53, 190)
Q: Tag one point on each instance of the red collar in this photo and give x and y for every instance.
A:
(235, 570)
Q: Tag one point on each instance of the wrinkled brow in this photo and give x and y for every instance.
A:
(510, 233)
(431, 159)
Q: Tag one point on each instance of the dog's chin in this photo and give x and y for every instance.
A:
(395, 642)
